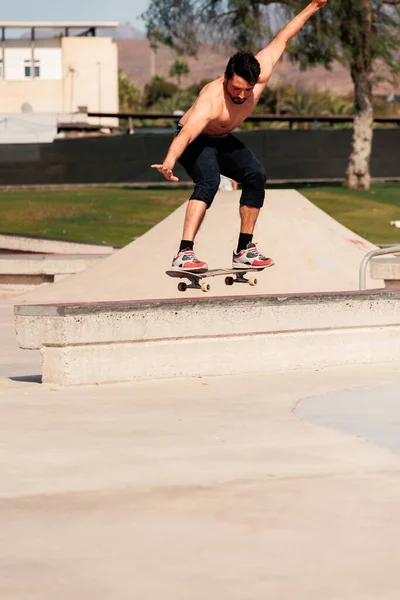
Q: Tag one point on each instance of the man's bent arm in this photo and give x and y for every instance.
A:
(179, 144)
(269, 56)
(201, 114)
(199, 118)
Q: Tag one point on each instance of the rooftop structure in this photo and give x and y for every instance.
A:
(89, 27)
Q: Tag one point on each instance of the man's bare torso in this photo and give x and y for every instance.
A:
(226, 116)
(226, 102)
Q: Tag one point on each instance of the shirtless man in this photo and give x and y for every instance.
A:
(204, 146)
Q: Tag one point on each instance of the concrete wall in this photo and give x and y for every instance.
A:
(90, 74)
(27, 128)
(285, 154)
(44, 96)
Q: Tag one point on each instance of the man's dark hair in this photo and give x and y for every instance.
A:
(245, 65)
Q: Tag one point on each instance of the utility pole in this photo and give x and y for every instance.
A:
(152, 62)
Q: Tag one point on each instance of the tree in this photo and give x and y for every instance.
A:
(129, 95)
(179, 69)
(359, 33)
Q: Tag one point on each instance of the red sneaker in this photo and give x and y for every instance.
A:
(187, 260)
(250, 257)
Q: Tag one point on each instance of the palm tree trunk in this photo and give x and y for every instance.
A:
(358, 175)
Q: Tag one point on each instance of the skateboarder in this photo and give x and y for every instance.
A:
(204, 146)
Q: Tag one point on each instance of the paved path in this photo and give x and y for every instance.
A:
(193, 488)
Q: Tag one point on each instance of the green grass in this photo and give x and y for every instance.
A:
(115, 216)
(366, 213)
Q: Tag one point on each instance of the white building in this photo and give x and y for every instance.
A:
(56, 74)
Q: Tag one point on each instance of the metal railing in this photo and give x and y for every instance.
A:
(290, 119)
(367, 258)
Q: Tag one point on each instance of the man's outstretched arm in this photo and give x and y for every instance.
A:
(269, 56)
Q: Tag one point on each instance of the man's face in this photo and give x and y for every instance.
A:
(238, 89)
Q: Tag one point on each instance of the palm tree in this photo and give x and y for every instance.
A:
(179, 69)
(305, 103)
(339, 105)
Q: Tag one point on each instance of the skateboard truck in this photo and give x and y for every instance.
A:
(239, 278)
(195, 285)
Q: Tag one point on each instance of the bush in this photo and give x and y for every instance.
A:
(157, 89)
(129, 95)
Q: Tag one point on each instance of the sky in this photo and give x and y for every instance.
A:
(75, 10)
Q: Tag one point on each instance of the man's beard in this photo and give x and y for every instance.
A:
(234, 100)
(238, 100)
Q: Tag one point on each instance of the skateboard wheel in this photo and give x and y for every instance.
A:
(205, 287)
(229, 281)
(252, 281)
(182, 287)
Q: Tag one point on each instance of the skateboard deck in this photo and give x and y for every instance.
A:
(231, 276)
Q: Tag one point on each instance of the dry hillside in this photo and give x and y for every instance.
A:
(136, 62)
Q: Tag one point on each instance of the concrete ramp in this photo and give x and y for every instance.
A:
(312, 252)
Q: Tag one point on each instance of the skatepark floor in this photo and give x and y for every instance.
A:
(240, 487)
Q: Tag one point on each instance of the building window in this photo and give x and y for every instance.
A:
(28, 69)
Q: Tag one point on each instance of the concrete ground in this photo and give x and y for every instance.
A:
(371, 412)
(194, 488)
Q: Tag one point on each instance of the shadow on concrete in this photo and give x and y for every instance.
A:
(27, 378)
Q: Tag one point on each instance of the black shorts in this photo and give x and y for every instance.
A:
(207, 158)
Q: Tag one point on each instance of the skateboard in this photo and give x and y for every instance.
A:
(231, 276)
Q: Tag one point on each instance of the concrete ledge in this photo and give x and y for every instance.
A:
(66, 324)
(10, 242)
(18, 284)
(22, 272)
(46, 264)
(94, 343)
(387, 269)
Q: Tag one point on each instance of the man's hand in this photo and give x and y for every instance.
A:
(319, 3)
(166, 170)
